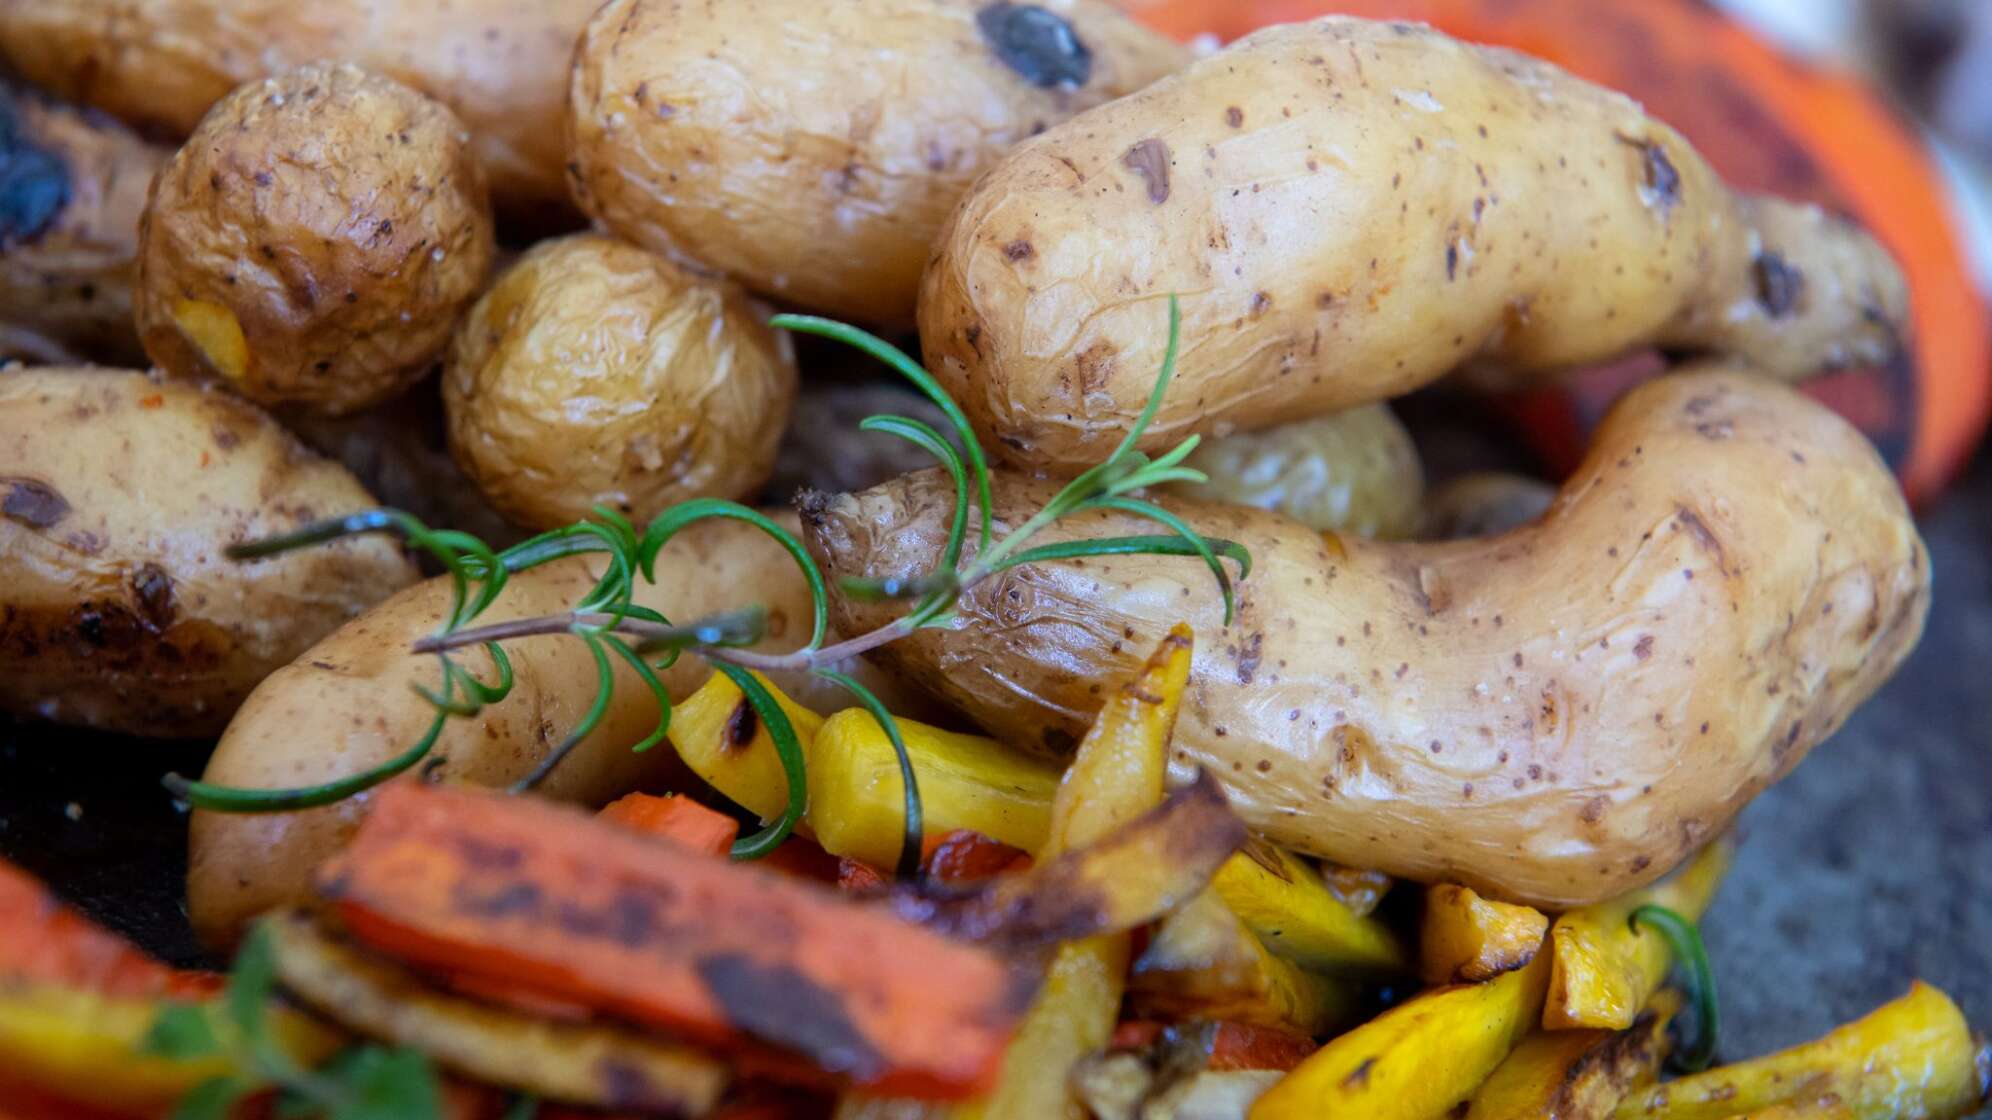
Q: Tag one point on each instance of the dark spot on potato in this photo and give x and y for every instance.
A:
(1780, 285)
(1150, 160)
(1452, 262)
(1593, 810)
(1018, 250)
(1039, 45)
(742, 725)
(1234, 116)
(34, 182)
(34, 504)
(1662, 178)
(1247, 655)
(1643, 648)
(153, 589)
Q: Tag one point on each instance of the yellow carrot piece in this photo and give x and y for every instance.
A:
(1914, 1058)
(1465, 939)
(1577, 1075)
(1285, 901)
(721, 738)
(1603, 970)
(1417, 1061)
(1203, 963)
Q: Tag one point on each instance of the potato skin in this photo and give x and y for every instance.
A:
(1350, 472)
(353, 691)
(501, 65)
(66, 272)
(1349, 210)
(118, 494)
(1552, 716)
(594, 372)
(314, 241)
(813, 151)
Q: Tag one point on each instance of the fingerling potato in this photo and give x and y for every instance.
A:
(596, 373)
(1351, 472)
(75, 186)
(813, 151)
(314, 241)
(118, 495)
(1550, 717)
(1349, 210)
(501, 65)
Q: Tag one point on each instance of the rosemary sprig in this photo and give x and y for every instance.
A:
(615, 628)
(1684, 937)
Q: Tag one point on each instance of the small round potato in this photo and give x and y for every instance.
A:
(813, 151)
(118, 607)
(595, 373)
(314, 241)
(74, 186)
(1348, 472)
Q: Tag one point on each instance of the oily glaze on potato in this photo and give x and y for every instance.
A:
(1552, 716)
(118, 495)
(501, 65)
(813, 151)
(1349, 210)
(314, 241)
(347, 704)
(72, 186)
(596, 373)
(1352, 472)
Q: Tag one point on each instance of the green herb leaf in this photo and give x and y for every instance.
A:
(181, 1032)
(788, 748)
(250, 982)
(1132, 546)
(387, 1085)
(605, 684)
(212, 1099)
(656, 687)
(1162, 378)
(671, 521)
(1684, 937)
(230, 799)
(913, 816)
(911, 370)
(1194, 539)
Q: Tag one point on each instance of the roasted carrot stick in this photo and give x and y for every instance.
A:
(720, 953)
(45, 941)
(678, 819)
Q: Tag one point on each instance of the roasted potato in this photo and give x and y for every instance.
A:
(595, 373)
(502, 65)
(314, 241)
(813, 151)
(348, 704)
(75, 184)
(118, 495)
(1349, 210)
(1552, 717)
(1349, 472)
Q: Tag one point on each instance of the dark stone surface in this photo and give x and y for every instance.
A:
(1870, 866)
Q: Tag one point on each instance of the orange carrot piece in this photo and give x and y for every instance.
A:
(45, 941)
(803, 858)
(1137, 1034)
(966, 856)
(678, 819)
(720, 953)
(858, 877)
(1250, 1046)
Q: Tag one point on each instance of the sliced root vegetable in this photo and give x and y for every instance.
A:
(1417, 1061)
(1202, 962)
(44, 941)
(1466, 939)
(966, 856)
(1912, 1057)
(1604, 970)
(721, 738)
(1240, 1046)
(1123, 1087)
(1300, 917)
(720, 953)
(1133, 875)
(678, 819)
(580, 1063)
(1576, 1075)
(857, 805)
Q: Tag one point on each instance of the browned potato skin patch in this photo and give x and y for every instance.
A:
(347, 704)
(1552, 716)
(67, 290)
(118, 608)
(1351, 210)
(159, 65)
(339, 216)
(594, 372)
(813, 151)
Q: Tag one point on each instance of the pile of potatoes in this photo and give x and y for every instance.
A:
(371, 235)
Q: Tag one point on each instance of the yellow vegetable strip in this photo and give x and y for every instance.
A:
(1603, 971)
(1466, 939)
(1417, 1061)
(1577, 1075)
(1914, 1057)
(1203, 963)
(1285, 901)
